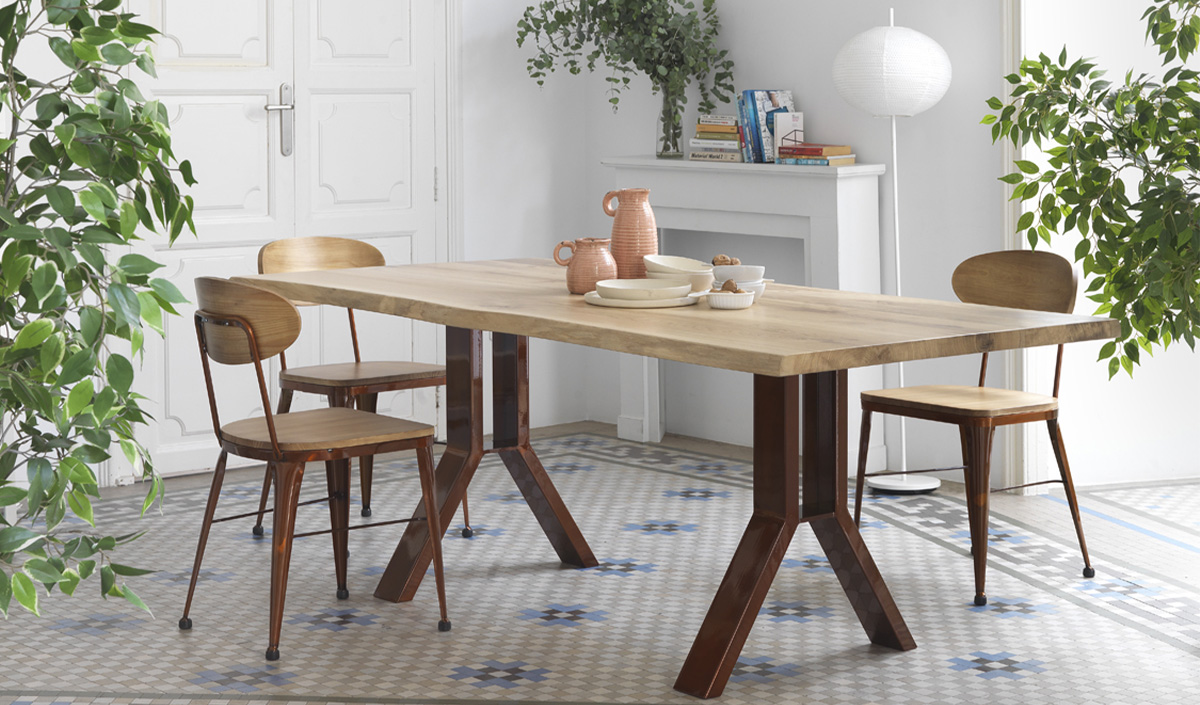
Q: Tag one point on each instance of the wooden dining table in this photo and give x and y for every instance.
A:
(797, 342)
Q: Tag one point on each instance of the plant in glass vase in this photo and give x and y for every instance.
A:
(1122, 175)
(671, 42)
(85, 163)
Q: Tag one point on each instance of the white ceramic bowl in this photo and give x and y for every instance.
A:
(700, 281)
(675, 265)
(757, 288)
(729, 299)
(739, 272)
(643, 289)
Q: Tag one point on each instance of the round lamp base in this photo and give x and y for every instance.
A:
(904, 484)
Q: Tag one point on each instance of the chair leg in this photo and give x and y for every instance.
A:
(366, 463)
(214, 493)
(864, 442)
(285, 405)
(287, 493)
(428, 492)
(977, 442)
(467, 531)
(1064, 470)
(337, 476)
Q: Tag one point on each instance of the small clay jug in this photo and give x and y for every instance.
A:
(634, 232)
(589, 263)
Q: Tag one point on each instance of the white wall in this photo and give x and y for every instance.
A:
(1123, 430)
(951, 204)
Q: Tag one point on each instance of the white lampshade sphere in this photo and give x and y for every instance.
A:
(889, 71)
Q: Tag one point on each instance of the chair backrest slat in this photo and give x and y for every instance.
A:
(301, 254)
(274, 320)
(1027, 279)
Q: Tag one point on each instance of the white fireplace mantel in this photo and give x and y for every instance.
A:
(834, 211)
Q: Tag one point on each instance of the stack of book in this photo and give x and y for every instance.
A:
(717, 139)
(815, 154)
(761, 113)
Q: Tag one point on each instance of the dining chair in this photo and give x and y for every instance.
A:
(346, 384)
(1032, 280)
(239, 324)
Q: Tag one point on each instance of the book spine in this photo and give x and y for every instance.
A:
(716, 129)
(717, 120)
(816, 161)
(716, 157)
(701, 135)
(752, 125)
(743, 133)
(815, 151)
(730, 144)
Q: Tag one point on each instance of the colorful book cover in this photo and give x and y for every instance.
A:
(717, 120)
(766, 104)
(747, 146)
(789, 131)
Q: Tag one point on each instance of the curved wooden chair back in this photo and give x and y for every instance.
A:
(302, 254)
(1028, 279)
(274, 321)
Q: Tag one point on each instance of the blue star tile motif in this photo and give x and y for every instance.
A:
(477, 531)
(657, 526)
(998, 665)
(696, 493)
(761, 669)
(809, 564)
(509, 498)
(334, 620)
(871, 524)
(620, 566)
(564, 615)
(242, 678)
(793, 612)
(184, 577)
(97, 624)
(569, 468)
(501, 675)
(374, 570)
(1006, 608)
(995, 536)
(1116, 589)
(718, 468)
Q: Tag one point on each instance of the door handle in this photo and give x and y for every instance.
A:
(286, 121)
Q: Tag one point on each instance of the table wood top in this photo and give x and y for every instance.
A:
(790, 330)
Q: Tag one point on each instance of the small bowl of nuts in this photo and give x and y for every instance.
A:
(726, 267)
(729, 296)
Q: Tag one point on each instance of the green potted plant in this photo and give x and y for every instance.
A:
(87, 168)
(1122, 176)
(669, 41)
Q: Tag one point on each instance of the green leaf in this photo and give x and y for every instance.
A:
(62, 200)
(134, 600)
(130, 572)
(117, 54)
(5, 592)
(77, 366)
(11, 495)
(129, 219)
(119, 371)
(44, 280)
(69, 582)
(81, 506)
(33, 333)
(107, 196)
(85, 51)
(168, 291)
(1027, 166)
(103, 404)
(61, 11)
(125, 304)
(93, 204)
(17, 538)
(1025, 220)
(42, 571)
(25, 592)
(137, 264)
(108, 581)
(79, 398)
(90, 324)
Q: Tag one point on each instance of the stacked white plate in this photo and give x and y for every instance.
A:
(641, 293)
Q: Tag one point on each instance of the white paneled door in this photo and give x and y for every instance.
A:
(304, 117)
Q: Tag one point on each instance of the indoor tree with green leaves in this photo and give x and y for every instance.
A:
(670, 41)
(1122, 176)
(86, 166)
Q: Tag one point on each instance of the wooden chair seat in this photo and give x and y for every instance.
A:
(318, 429)
(957, 400)
(362, 374)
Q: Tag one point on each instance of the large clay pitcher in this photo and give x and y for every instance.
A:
(589, 263)
(634, 232)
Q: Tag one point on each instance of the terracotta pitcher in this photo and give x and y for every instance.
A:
(634, 232)
(589, 263)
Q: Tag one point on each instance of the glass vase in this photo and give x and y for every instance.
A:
(670, 126)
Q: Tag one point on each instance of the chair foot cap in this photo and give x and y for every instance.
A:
(343, 594)
(273, 653)
(443, 625)
(980, 600)
(467, 533)
(185, 623)
(257, 530)
(366, 511)
(1089, 572)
